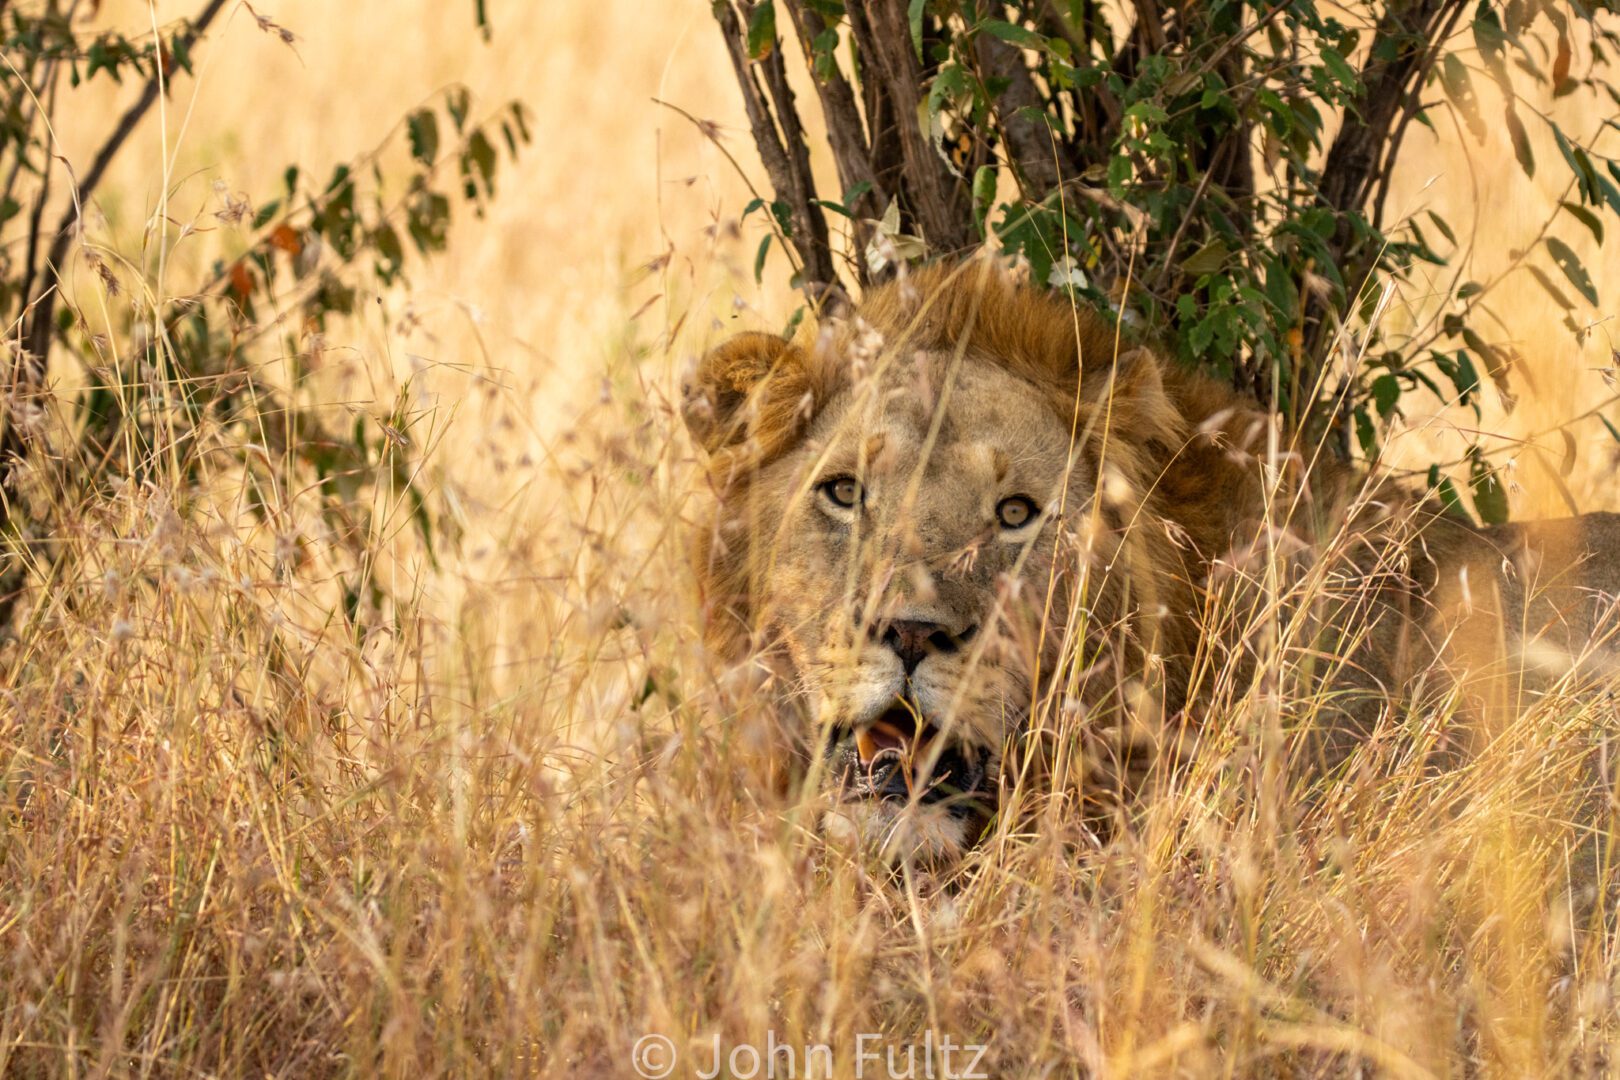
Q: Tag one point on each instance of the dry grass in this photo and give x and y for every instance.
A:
(512, 821)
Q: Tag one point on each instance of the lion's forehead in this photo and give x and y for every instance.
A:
(964, 418)
(935, 460)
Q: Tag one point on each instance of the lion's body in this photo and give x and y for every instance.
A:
(1159, 489)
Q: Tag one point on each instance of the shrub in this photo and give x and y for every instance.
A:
(1218, 173)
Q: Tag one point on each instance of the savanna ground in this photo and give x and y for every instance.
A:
(510, 821)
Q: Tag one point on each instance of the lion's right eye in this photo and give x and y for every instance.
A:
(844, 491)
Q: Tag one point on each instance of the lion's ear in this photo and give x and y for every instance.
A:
(1129, 396)
(715, 400)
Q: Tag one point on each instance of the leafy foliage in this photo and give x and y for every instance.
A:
(1218, 172)
(173, 372)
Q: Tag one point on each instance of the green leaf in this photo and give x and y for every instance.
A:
(1553, 290)
(1207, 259)
(784, 217)
(1417, 375)
(793, 323)
(1201, 335)
(951, 85)
(1488, 36)
(1033, 115)
(97, 59)
(1385, 393)
(1612, 429)
(1119, 173)
(1342, 72)
(1580, 165)
(762, 30)
(423, 127)
(914, 16)
(1469, 289)
(181, 52)
(984, 193)
(1490, 497)
(1014, 34)
(1521, 140)
(1444, 227)
(1366, 433)
(823, 47)
(1447, 492)
(759, 258)
(1611, 194)
(1587, 218)
(1571, 265)
(1464, 378)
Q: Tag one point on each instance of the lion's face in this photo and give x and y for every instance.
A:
(906, 499)
(905, 555)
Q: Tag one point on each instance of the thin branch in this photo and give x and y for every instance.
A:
(1356, 152)
(1055, 22)
(892, 75)
(852, 152)
(787, 180)
(39, 326)
(807, 208)
(1414, 105)
(1038, 165)
(1240, 37)
(36, 216)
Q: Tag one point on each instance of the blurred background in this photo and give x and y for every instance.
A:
(554, 283)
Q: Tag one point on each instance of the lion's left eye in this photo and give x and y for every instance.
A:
(1016, 512)
(844, 491)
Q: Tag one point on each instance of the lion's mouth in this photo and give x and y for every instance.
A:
(901, 756)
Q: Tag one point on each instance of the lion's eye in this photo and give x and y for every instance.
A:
(1015, 512)
(844, 491)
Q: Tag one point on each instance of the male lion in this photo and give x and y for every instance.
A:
(964, 500)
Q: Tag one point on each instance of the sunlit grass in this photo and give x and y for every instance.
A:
(515, 816)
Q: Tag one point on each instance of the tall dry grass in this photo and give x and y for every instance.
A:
(513, 821)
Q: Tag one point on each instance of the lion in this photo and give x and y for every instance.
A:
(968, 497)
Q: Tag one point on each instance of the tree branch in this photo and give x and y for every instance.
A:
(29, 362)
(852, 152)
(1405, 34)
(38, 338)
(787, 166)
(1038, 159)
(1356, 153)
(936, 200)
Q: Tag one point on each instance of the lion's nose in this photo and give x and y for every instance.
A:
(913, 642)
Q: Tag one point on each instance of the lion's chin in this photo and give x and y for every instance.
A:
(896, 831)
